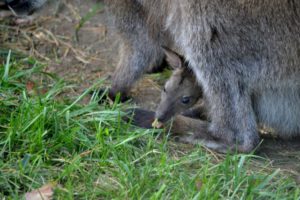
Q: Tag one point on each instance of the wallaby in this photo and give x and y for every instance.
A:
(181, 92)
(239, 50)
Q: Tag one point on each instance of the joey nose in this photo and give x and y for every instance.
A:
(112, 94)
(162, 116)
(165, 110)
(158, 115)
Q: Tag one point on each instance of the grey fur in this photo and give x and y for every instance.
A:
(236, 48)
(276, 108)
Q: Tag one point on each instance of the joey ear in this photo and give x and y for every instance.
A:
(173, 59)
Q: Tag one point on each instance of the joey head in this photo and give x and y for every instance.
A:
(181, 91)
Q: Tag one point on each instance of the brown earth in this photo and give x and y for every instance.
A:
(51, 38)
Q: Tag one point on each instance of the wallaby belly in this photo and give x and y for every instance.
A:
(279, 108)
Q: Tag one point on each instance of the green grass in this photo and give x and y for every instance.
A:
(90, 153)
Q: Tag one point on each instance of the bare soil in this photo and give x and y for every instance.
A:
(51, 38)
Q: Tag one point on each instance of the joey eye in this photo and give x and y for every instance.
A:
(185, 99)
(164, 89)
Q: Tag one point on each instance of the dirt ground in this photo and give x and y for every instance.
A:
(51, 38)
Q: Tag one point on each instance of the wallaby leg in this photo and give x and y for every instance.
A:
(141, 48)
(232, 116)
(195, 131)
(135, 59)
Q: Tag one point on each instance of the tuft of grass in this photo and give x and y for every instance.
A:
(90, 153)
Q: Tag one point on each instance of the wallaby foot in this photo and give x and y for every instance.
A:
(140, 49)
(112, 94)
(140, 117)
(106, 93)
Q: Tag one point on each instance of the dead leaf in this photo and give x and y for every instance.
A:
(30, 86)
(43, 193)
